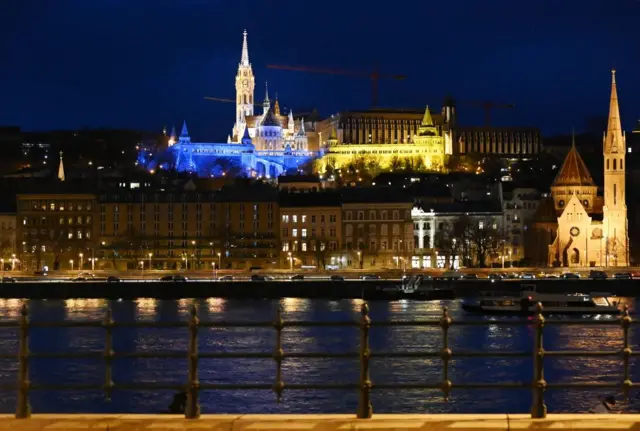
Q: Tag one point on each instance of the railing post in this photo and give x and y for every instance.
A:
(365, 410)
(23, 409)
(278, 355)
(107, 323)
(445, 324)
(538, 409)
(192, 410)
(625, 322)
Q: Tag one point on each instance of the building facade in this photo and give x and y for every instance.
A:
(230, 229)
(454, 234)
(377, 229)
(519, 209)
(498, 141)
(55, 230)
(593, 231)
(310, 230)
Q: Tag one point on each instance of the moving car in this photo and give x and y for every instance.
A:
(226, 278)
(369, 277)
(337, 278)
(622, 276)
(597, 275)
(8, 280)
(113, 279)
(571, 276)
(174, 278)
(297, 277)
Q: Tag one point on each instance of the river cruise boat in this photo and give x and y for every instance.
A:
(552, 303)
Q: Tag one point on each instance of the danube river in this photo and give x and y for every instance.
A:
(305, 339)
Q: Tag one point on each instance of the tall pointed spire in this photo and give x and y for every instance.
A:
(173, 133)
(614, 139)
(290, 121)
(184, 132)
(302, 124)
(244, 61)
(427, 120)
(61, 169)
(266, 93)
(573, 137)
(276, 106)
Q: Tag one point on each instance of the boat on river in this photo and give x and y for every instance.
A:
(412, 287)
(525, 303)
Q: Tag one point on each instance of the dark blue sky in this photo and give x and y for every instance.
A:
(145, 63)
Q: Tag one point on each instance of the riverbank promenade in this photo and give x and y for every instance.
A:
(383, 422)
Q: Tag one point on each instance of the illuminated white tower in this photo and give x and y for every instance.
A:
(615, 207)
(245, 84)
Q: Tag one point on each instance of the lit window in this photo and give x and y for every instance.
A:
(304, 218)
(481, 225)
(294, 218)
(304, 233)
(294, 232)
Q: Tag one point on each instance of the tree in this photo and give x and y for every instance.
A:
(320, 247)
(485, 239)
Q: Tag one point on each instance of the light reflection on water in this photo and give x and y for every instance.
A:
(492, 337)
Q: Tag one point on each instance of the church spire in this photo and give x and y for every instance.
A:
(173, 133)
(266, 93)
(614, 139)
(244, 61)
(61, 169)
(184, 133)
(276, 106)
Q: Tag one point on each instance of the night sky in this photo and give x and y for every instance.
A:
(145, 63)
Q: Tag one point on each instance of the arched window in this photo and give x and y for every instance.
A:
(615, 162)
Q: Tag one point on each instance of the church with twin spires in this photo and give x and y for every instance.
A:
(592, 230)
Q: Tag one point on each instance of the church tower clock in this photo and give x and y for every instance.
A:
(245, 84)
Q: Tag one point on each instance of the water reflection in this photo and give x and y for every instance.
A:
(215, 305)
(493, 337)
(146, 307)
(10, 308)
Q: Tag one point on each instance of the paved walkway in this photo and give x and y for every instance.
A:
(379, 422)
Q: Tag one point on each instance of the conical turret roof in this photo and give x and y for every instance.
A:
(270, 119)
(573, 172)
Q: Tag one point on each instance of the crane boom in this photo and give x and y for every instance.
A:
(374, 75)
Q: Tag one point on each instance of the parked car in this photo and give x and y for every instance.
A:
(113, 279)
(226, 278)
(571, 276)
(336, 278)
(452, 275)
(79, 279)
(470, 277)
(597, 275)
(369, 277)
(8, 280)
(494, 276)
(528, 276)
(174, 278)
(258, 277)
(622, 276)
(41, 273)
(297, 277)
(86, 274)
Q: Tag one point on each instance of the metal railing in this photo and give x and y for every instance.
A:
(364, 386)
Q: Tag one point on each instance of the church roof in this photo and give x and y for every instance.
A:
(270, 119)
(573, 172)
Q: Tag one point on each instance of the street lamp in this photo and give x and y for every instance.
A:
(80, 266)
(13, 262)
(219, 260)
(290, 262)
(215, 271)
(71, 264)
(510, 259)
(93, 263)
(142, 267)
(150, 255)
(2, 262)
(360, 260)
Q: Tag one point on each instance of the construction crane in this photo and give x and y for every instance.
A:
(374, 76)
(225, 100)
(487, 106)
